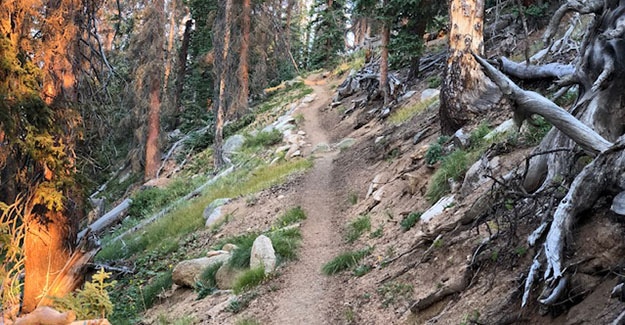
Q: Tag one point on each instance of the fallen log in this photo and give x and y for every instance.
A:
(106, 220)
(170, 207)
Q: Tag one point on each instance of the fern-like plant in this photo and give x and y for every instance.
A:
(91, 302)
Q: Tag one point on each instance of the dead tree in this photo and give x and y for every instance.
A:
(594, 126)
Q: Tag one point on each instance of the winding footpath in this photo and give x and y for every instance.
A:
(309, 297)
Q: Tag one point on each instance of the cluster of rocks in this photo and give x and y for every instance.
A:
(187, 273)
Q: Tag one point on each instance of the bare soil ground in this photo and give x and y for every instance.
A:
(300, 294)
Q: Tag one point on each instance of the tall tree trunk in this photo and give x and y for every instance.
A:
(244, 77)
(182, 70)
(152, 150)
(222, 107)
(386, 35)
(465, 91)
(50, 233)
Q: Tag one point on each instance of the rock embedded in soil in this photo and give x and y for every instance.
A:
(263, 254)
(212, 213)
(226, 276)
(187, 273)
(428, 94)
(233, 144)
(438, 208)
(618, 204)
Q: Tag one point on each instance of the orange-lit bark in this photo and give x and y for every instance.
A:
(152, 150)
(465, 90)
(45, 258)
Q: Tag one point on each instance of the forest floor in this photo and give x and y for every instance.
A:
(481, 265)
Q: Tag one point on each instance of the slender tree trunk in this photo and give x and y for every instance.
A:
(152, 150)
(170, 47)
(222, 104)
(244, 77)
(465, 91)
(386, 35)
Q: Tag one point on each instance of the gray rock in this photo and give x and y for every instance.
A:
(229, 247)
(187, 273)
(283, 148)
(438, 208)
(263, 254)
(309, 98)
(226, 276)
(461, 139)
(233, 144)
(346, 143)
(321, 147)
(507, 126)
(212, 213)
(618, 204)
(428, 94)
(378, 139)
(407, 95)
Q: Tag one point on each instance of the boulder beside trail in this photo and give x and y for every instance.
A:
(188, 272)
(212, 212)
(263, 254)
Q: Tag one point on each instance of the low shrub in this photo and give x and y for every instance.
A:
(345, 261)
(357, 227)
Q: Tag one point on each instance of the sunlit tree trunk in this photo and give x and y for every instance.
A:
(222, 107)
(244, 78)
(48, 241)
(465, 90)
(152, 150)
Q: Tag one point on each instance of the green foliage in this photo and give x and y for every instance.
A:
(155, 287)
(357, 227)
(345, 261)
(151, 199)
(241, 256)
(362, 269)
(393, 292)
(247, 321)
(406, 113)
(410, 220)
(291, 216)
(453, 166)
(537, 130)
(91, 302)
(476, 138)
(435, 152)
(207, 283)
(188, 217)
(285, 243)
(185, 320)
(241, 302)
(434, 81)
(249, 279)
(377, 233)
(327, 27)
(263, 139)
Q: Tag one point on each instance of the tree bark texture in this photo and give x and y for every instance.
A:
(182, 69)
(386, 36)
(244, 77)
(465, 91)
(222, 105)
(152, 149)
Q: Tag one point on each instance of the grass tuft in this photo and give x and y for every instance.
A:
(453, 166)
(249, 279)
(285, 243)
(345, 261)
(357, 227)
(290, 217)
(155, 287)
(263, 139)
(405, 113)
(410, 220)
(207, 283)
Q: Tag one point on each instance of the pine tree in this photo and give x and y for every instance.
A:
(327, 28)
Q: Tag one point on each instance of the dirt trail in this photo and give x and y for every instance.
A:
(308, 296)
